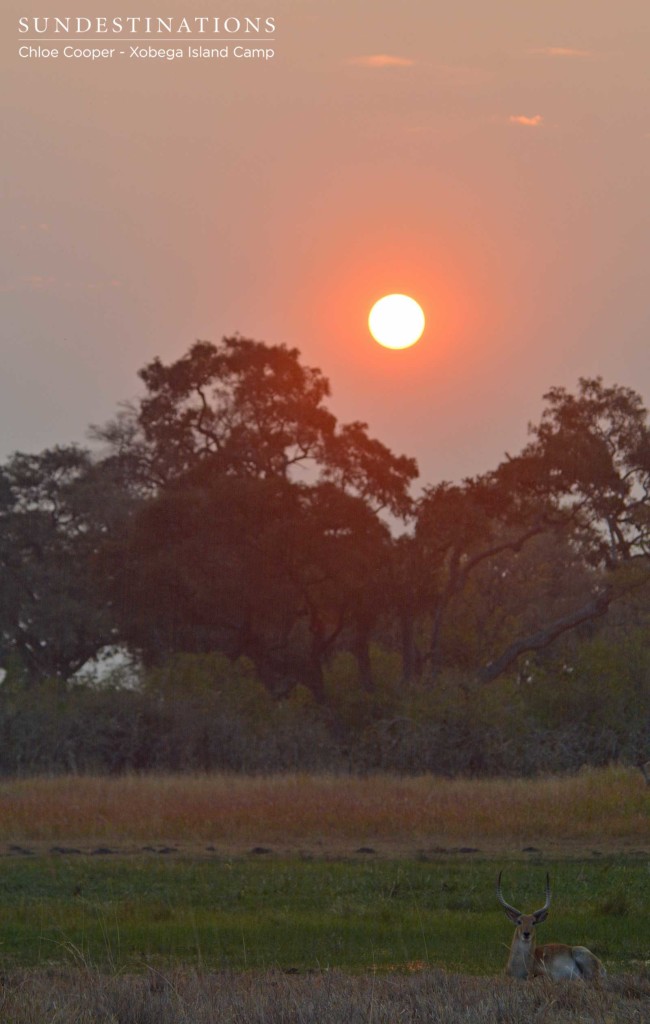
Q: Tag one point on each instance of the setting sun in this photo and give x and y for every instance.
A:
(396, 321)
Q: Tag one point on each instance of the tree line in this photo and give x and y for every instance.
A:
(238, 544)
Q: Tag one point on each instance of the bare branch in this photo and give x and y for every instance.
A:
(594, 609)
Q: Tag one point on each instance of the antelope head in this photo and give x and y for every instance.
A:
(525, 924)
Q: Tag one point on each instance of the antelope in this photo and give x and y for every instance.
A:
(554, 960)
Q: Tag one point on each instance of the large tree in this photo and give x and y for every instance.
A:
(273, 570)
(590, 454)
(585, 475)
(244, 408)
(260, 531)
(57, 509)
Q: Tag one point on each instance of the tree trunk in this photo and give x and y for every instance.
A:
(362, 654)
(410, 659)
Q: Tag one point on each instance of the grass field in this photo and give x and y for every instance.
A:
(127, 913)
(430, 997)
(606, 810)
(316, 900)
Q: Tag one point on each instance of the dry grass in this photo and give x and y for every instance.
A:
(430, 997)
(606, 808)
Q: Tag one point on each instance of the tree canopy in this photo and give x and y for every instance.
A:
(229, 512)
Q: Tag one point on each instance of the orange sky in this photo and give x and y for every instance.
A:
(492, 160)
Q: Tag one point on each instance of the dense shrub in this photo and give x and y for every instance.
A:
(207, 713)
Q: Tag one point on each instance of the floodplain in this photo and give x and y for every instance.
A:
(300, 898)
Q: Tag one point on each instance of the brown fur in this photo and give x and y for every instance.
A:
(553, 960)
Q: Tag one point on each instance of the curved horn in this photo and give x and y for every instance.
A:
(511, 911)
(547, 902)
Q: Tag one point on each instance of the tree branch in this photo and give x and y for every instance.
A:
(595, 608)
(458, 575)
(514, 545)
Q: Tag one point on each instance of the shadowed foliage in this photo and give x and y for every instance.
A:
(230, 516)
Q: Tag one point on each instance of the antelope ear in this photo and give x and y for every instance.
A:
(513, 914)
(540, 916)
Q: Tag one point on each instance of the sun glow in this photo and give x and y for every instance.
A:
(396, 321)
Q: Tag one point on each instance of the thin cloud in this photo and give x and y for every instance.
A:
(563, 51)
(527, 122)
(381, 60)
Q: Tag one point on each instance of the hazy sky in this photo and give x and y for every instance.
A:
(491, 159)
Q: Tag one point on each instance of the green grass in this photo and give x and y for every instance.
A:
(122, 913)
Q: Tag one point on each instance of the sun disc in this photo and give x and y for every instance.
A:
(396, 321)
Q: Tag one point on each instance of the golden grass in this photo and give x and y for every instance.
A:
(430, 997)
(608, 806)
